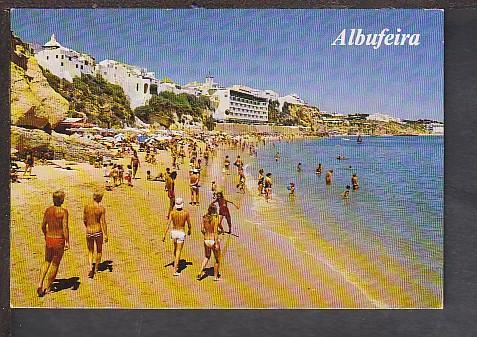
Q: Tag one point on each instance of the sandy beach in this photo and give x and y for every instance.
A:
(264, 265)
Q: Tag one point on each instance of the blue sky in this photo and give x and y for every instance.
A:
(288, 51)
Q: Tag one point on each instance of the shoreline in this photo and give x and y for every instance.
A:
(256, 271)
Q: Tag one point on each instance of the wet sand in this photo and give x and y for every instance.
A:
(266, 266)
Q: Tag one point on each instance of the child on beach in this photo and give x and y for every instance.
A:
(108, 186)
(114, 174)
(148, 175)
(128, 175)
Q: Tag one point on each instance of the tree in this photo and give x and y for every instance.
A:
(273, 112)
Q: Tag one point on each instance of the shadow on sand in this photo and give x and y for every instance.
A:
(106, 265)
(182, 265)
(72, 283)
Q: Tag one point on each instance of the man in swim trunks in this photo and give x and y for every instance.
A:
(56, 233)
(194, 187)
(210, 229)
(238, 163)
(227, 165)
(135, 163)
(171, 194)
(179, 217)
(96, 231)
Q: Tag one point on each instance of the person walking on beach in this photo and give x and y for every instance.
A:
(57, 240)
(194, 187)
(210, 229)
(29, 163)
(298, 168)
(238, 163)
(171, 194)
(227, 165)
(179, 218)
(241, 183)
(261, 179)
(268, 186)
(329, 177)
(94, 219)
(135, 163)
(224, 211)
(354, 182)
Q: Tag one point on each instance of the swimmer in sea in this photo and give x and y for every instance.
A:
(319, 169)
(329, 177)
(354, 182)
(345, 194)
(291, 188)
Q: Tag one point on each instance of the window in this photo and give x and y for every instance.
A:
(81, 66)
(56, 56)
(47, 57)
(69, 58)
(62, 64)
(86, 62)
(137, 87)
(62, 57)
(76, 66)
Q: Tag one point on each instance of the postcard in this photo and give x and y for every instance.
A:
(227, 158)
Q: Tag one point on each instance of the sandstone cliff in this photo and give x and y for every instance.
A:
(34, 104)
(59, 145)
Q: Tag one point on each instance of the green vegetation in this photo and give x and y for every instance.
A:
(166, 107)
(102, 103)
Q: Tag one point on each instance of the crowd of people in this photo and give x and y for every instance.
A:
(199, 154)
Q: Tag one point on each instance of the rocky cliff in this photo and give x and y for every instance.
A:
(55, 145)
(34, 104)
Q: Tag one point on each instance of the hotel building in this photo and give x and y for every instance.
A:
(239, 104)
(63, 62)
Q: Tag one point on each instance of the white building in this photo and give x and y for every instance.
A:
(290, 99)
(382, 118)
(239, 103)
(436, 128)
(136, 82)
(63, 62)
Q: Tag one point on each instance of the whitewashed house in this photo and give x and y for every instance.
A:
(64, 62)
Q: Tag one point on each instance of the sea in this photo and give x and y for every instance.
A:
(395, 218)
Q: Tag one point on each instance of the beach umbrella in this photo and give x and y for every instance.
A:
(119, 137)
(142, 138)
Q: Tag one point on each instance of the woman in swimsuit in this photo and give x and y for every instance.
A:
(210, 229)
(261, 179)
(224, 211)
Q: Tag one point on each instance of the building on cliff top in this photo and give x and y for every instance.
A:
(64, 62)
(136, 82)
